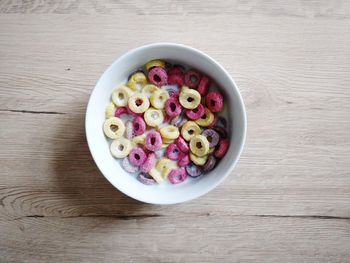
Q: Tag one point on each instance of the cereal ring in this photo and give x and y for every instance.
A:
(213, 122)
(214, 101)
(164, 146)
(145, 179)
(198, 160)
(199, 145)
(174, 120)
(196, 113)
(121, 95)
(139, 125)
(120, 147)
(170, 132)
(182, 145)
(168, 141)
(172, 152)
(158, 98)
(212, 137)
(222, 122)
(189, 98)
(129, 130)
(211, 150)
(173, 107)
(155, 63)
(127, 166)
(139, 140)
(137, 156)
(176, 79)
(203, 85)
(164, 166)
(136, 79)
(119, 111)
(138, 103)
(113, 128)
(110, 110)
(177, 69)
(149, 163)
(221, 131)
(158, 76)
(210, 164)
(153, 117)
(149, 89)
(222, 148)
(190, 129)
(193, 170)
(134, 114)
(192, 78)
(184, 160)
(153, 141)
(206, 119)
(156, 175)
(177, 176)
(172, 91)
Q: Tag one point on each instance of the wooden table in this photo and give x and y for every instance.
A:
(288, 200)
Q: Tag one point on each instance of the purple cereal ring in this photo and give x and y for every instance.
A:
(153, 141)
(177, 69)
(176, 79)
(210, 164)
(137, 156)
(145, 179)
(182, 145)
(221, 131)
(193, 170)
(158, 76)
(139, 125)
(172, 91)
(222, 148)
(174, 120)
(214, 101)
(149, 163)
(127, 166)
(212, 137)
(119, 111)
(177, 176)
(222, 122)
(184, 160)
(192, 78)
(172, 152)
(173, 107)
(196, 113)
(203, 85)
(129, 130)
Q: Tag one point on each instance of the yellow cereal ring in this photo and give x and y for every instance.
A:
(169, 132)
(164, 166)
(164, 145)
(153, 117)
(137, 78)
(113, 128)
(155, 63)
(199, 145)
(110, 109)
(167, 141)
(120, 95)
(120, 147)
(158, 98)
(185, 88)
(190, 129)
(206, 119)
(211, 150)
(156, 175)
(198, 160)
(138, 102)
(149, 90)
(189, 98)
(139, 140)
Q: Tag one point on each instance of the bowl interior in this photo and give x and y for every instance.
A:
(117, 74)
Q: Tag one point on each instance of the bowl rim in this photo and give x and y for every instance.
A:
(233, 84)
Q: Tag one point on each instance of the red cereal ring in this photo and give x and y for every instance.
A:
(158, 76)
(176, 79)
(182, 144)
(196, 113)
(177, 69)
(203, 85)
(173, 107)
(192, 78)
(214, 101)
(139, 125)
(221, 148)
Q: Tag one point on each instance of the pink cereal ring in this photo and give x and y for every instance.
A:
(203, 85)
(214, 101)
(192, 78)
(184, 160)
(137, 156)
(149, 163)
(222, 148)
(177, 176)
(176, 79)
(139, 125)
(196, 113)
(158, 76)
(182, 144)
(172, 152)
(119, 111)
(153, 141)
(173, 107)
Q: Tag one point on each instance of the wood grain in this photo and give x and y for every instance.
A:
(286, 201)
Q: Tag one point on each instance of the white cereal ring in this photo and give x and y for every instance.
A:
(113, 128)
(138, 102)
(120, 95)
(153, 117)
(120, 147)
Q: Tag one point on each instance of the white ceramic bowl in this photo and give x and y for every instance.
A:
(116, 74)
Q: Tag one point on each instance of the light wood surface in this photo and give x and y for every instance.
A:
(288, 200)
